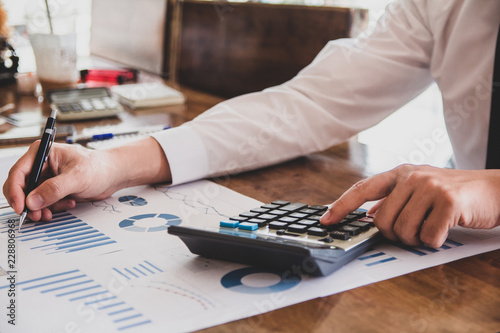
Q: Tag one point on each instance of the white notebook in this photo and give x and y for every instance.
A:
(146, 95)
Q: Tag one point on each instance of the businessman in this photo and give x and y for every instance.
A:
(351, 85)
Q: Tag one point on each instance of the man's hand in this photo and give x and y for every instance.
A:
(422, 203)
(74, 174)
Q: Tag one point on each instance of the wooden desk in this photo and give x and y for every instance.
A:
(462, 296)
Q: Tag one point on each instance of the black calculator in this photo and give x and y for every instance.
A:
(284, 235)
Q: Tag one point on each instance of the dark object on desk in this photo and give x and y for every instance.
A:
(9, 63)
(284, 235)
(83, 103)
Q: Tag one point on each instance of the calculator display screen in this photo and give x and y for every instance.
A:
(72, 95)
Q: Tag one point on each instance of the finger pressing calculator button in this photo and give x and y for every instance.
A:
(248, 226)
(314, 231)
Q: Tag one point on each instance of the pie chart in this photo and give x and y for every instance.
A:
(149, 222)
(132, 200)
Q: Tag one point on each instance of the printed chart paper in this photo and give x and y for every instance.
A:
(110, 266)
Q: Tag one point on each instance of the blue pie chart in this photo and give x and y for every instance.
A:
(133, 200)
(233, 280)
(150, 222)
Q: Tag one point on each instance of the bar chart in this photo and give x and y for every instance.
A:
(65, 233)
(76, 287)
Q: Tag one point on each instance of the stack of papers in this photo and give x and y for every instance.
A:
(147, 95)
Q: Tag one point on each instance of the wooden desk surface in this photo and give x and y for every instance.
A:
(461, 296)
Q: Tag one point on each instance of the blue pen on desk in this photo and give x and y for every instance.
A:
(107, 136)
(49, 133)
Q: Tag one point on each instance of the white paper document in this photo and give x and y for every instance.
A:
(111, 266)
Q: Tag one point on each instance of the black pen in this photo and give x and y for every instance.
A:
(48, 136)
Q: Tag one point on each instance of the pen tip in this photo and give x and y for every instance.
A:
(21, 220)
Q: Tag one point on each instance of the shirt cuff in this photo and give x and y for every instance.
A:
(186, 153)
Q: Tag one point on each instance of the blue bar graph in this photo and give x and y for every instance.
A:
(64, 234)
(144, 268)
(425, 250)
(75, 286)
(377, 258)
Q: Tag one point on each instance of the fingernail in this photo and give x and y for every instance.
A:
(326, 216)
(34, 201)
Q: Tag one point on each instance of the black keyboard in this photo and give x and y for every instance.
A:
(284, 235)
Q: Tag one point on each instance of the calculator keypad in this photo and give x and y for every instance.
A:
(300, 221)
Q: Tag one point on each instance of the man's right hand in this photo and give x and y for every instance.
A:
(74, 174)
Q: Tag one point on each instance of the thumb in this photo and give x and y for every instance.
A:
(51, 191)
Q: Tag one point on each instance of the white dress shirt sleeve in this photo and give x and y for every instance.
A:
(351, 85)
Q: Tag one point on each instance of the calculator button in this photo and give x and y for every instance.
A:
(298, 215)
(293, 207)
(366, 219)
(351, 217)
(314, 231)
(277, 212)
(314, 218)
(238, 218)
(259, 210)
(359, 213)
(277, 225)
(318, 208)
(86, 105)
(298, 228)
(259, 222)
(342, 235)
(229, 224)
(76, 107)
(249, 214)
(309, 223)
(64, 108)
(280, 202)
(287, 219)
(308, 211)
(353, 231)
(98, 104)
(109, 102)
(267, 216)
(270, 206)
(362, 225)
(248, 226)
